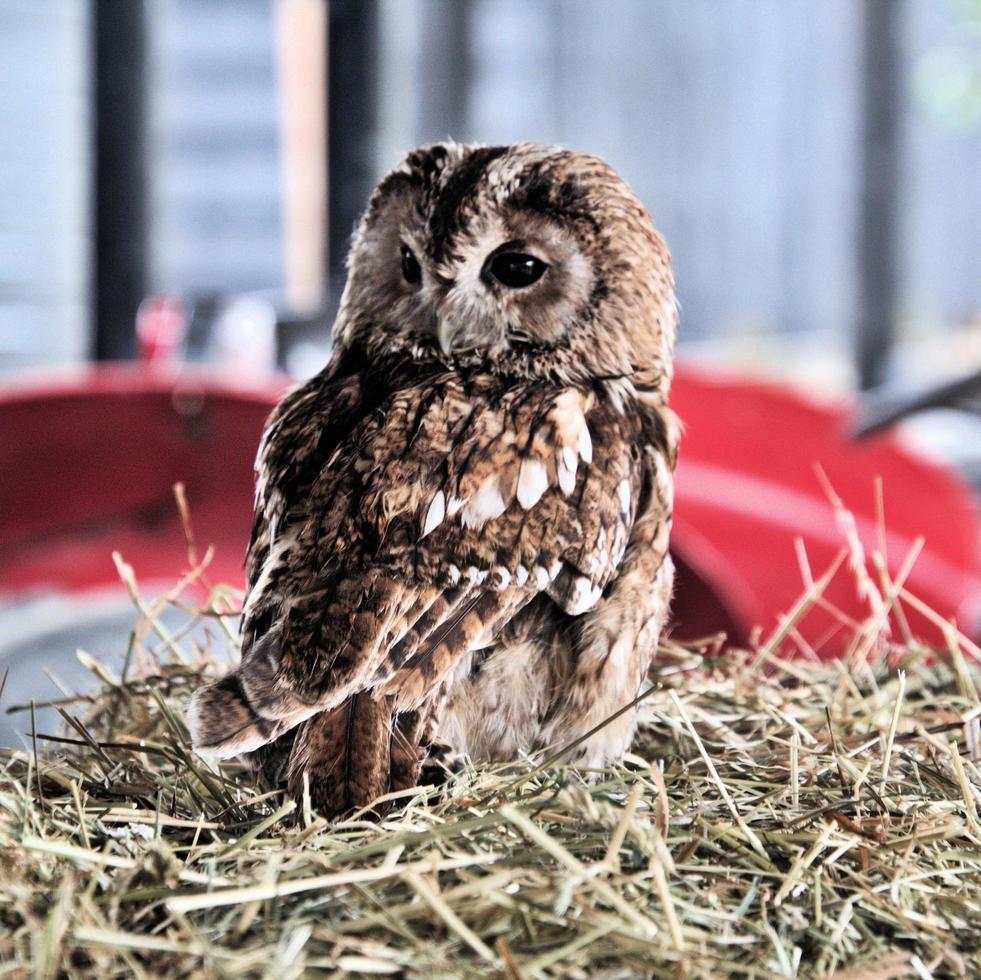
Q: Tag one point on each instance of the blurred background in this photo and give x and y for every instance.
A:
(815, 167)
(179, 179)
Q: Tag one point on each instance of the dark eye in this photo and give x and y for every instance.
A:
(411, 270)
(516, 269)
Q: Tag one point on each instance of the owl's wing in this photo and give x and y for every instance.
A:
(302, 431)
(426, 529)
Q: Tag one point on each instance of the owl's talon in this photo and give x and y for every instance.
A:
(442, 764)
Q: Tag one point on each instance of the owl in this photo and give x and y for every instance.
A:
(460, 545)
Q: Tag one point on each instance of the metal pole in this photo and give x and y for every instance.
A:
(879, 203)
(119, 275)
(352, 113)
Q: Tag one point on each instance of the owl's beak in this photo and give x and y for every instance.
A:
(445, 332)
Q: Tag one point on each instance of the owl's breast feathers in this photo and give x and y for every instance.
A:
(402, 522)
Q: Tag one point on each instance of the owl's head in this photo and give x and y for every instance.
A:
(527, 260)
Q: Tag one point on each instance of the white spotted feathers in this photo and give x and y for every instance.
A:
(552, 459)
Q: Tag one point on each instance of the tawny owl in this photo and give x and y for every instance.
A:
(461, 525)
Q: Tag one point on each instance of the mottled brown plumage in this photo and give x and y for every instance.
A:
(460, 540)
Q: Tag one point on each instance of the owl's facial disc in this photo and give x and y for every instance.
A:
(509, 280)
(512, 280)
(508, 268)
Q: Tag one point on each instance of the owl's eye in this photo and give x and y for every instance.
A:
(516, 269)
(411, 270)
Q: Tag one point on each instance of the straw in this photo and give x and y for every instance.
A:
(774, 818)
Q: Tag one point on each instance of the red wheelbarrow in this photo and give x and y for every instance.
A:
(89, 460)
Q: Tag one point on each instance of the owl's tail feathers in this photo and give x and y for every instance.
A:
(224, 721)
(342, 756)
(350, 756)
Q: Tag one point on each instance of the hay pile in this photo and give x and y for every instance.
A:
(776, 818)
